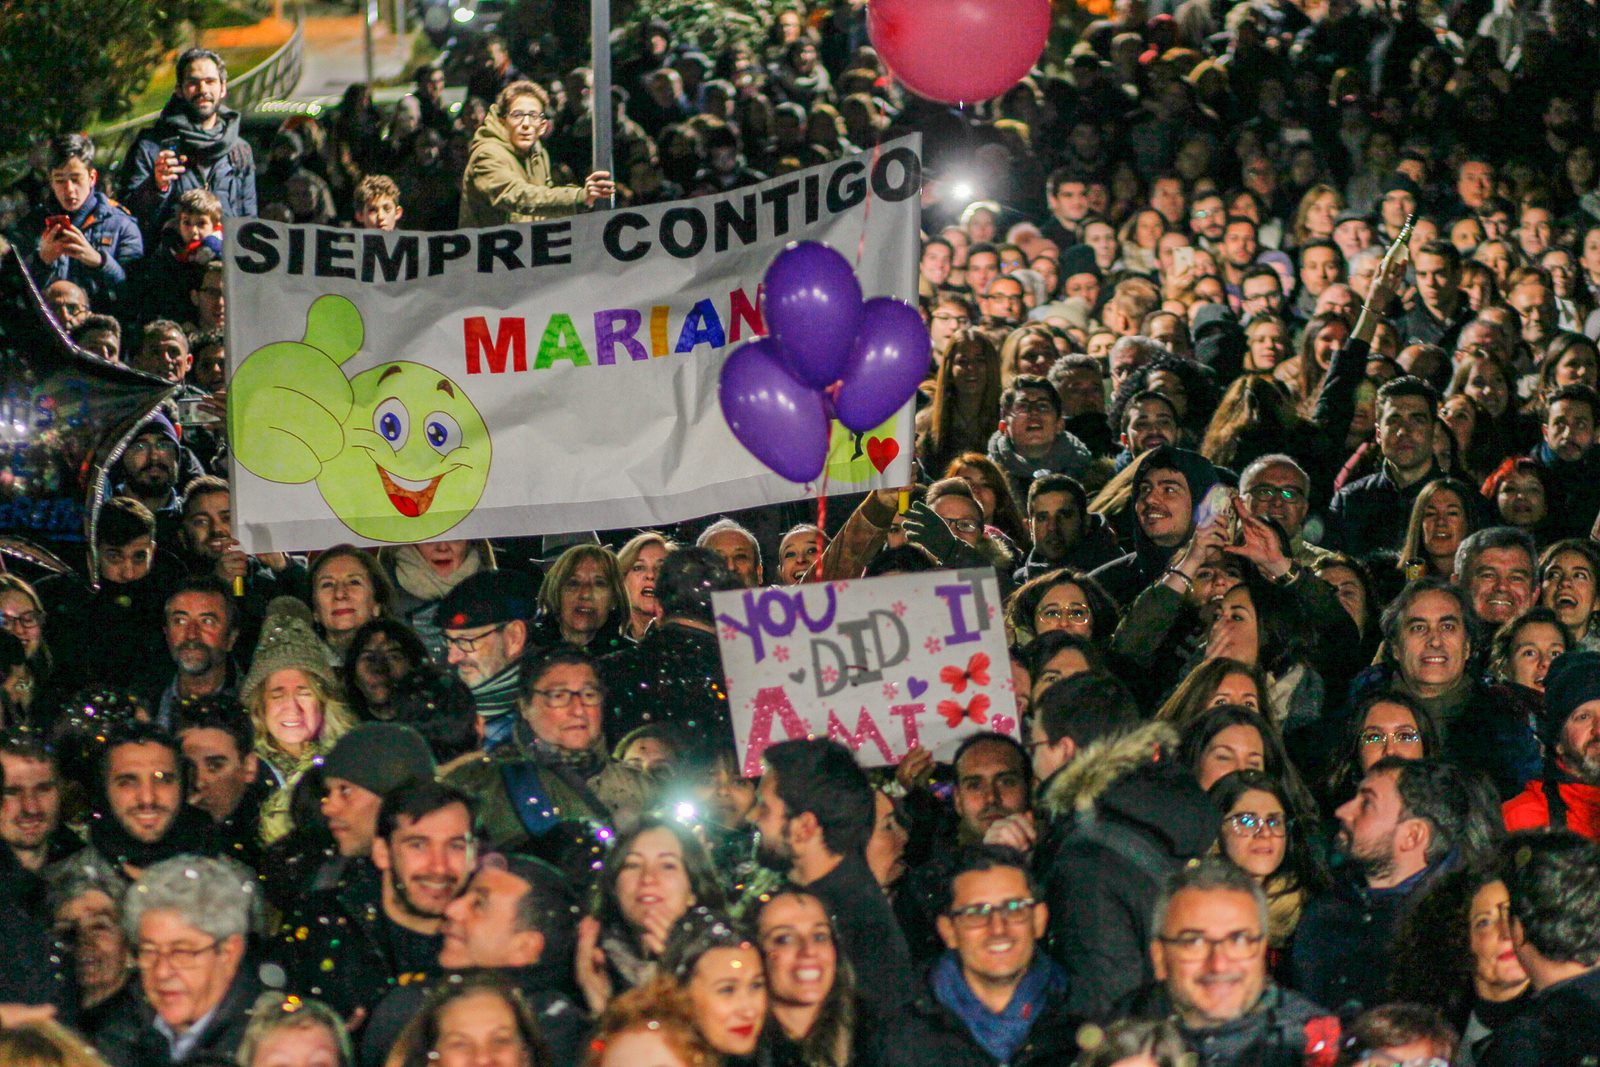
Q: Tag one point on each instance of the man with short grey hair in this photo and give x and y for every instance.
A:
(189, 919)
(1279, 489)
(738, 548)
(1209, 946)
(1499, 569)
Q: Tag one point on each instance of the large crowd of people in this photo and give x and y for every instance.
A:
(1264, 380)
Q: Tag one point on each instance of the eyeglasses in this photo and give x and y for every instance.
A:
(966, 526)
(1265, 494)
(976, 916)
(1403, 736)
(560, 698)
(1075, 613)
(1202, 214)
(1034, 407)
(1249, 824)
(1239, 945)
(469, 645)
(28, 620)
(517, 118)
(145, 446)
(183, 958)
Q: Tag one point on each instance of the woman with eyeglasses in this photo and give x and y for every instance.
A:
(23, 616)
(810, 987)
(1383, 724)
(1064, 600)
(1266, 837)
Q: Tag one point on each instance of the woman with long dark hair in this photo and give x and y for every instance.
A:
(810, 985)
(966, 401)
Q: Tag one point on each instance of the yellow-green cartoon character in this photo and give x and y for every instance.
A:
(399, 452)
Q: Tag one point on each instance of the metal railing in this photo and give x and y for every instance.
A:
(275, 77)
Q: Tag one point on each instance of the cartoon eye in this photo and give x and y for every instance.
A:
(392, 422)
(444, 434)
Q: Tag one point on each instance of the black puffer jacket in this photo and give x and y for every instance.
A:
(1124, 816)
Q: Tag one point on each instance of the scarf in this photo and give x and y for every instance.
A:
(1446, 708)
(999, 1035)
(191, 832)
(419, 578)
(203, 147)
(498, 695)
(582, 763)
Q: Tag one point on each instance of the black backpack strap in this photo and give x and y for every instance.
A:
(1554, 801)
(526, 793)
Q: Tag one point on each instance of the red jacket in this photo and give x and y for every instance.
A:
(1530, 809)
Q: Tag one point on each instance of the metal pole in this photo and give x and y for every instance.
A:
(600, 99)
(400, 20)
(366, 37)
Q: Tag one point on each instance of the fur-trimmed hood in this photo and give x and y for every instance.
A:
(1079, 785)
(1133, 780)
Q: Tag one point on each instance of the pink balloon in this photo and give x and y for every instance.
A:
(959, 51)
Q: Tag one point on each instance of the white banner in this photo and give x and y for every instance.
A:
(534, 378)
(879, 664)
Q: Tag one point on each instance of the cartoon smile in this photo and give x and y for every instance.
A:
(408, 497)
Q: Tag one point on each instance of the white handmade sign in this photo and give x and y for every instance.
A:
(537, 377)
(878, 664)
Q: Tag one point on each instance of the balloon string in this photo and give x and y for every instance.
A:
(866, 216)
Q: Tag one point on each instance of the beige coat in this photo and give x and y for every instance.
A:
(501, 185)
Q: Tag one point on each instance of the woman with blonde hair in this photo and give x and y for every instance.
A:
(639, 564)
(295, 706)
(1029, 349)
(582, 602)
(22, 615)
(992, 490)
(1443, 516)
(286, 1031)
(45, 1043)
(349, 589)
(464, 1018)
(650, 1025)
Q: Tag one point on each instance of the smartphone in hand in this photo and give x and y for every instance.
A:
(57, 222)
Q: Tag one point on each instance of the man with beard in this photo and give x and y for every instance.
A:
(201, 627)
(194, 144)
(485, 624)
(150, 469)
(991, 773)
(208, 547)
(349, 945)
(1209, 946)
(30, 811)
(141, 818)
(1064, 533)
(1032, 436)
(1408, 822)
(515, 919)
(1568, 795)
(814, 810)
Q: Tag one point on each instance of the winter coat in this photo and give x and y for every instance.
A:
(869, 937)
(1282, 1029)
(1128, 817)
(673, 676)
(1560, 1027)
(218, 159)
(1574, 491)
(1530, 809)
(148, 1047)
(1067, 455)
(1125, 577)
(502, 185)
(1097, 547)
(925, 1032)
(107, 226)
(1370, 514)
(334, 943)
(1342, 947)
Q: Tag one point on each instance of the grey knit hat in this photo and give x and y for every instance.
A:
(380, 756)
(287, 643)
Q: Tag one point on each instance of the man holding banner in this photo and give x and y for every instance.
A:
(508, 169)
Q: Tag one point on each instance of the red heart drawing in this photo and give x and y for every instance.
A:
(882, 450)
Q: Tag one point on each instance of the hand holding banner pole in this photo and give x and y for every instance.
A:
(600, 99)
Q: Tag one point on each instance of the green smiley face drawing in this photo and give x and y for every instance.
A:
(399, 452)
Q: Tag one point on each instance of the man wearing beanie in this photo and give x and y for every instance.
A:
(1568, 796)
(366, 763)
(485, 624)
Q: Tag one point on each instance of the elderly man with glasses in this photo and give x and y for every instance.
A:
(1279, 489)
(557, 775)
(189, 921)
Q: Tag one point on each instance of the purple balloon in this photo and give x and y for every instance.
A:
(812, 304)
(889, 360)
(778, 418)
